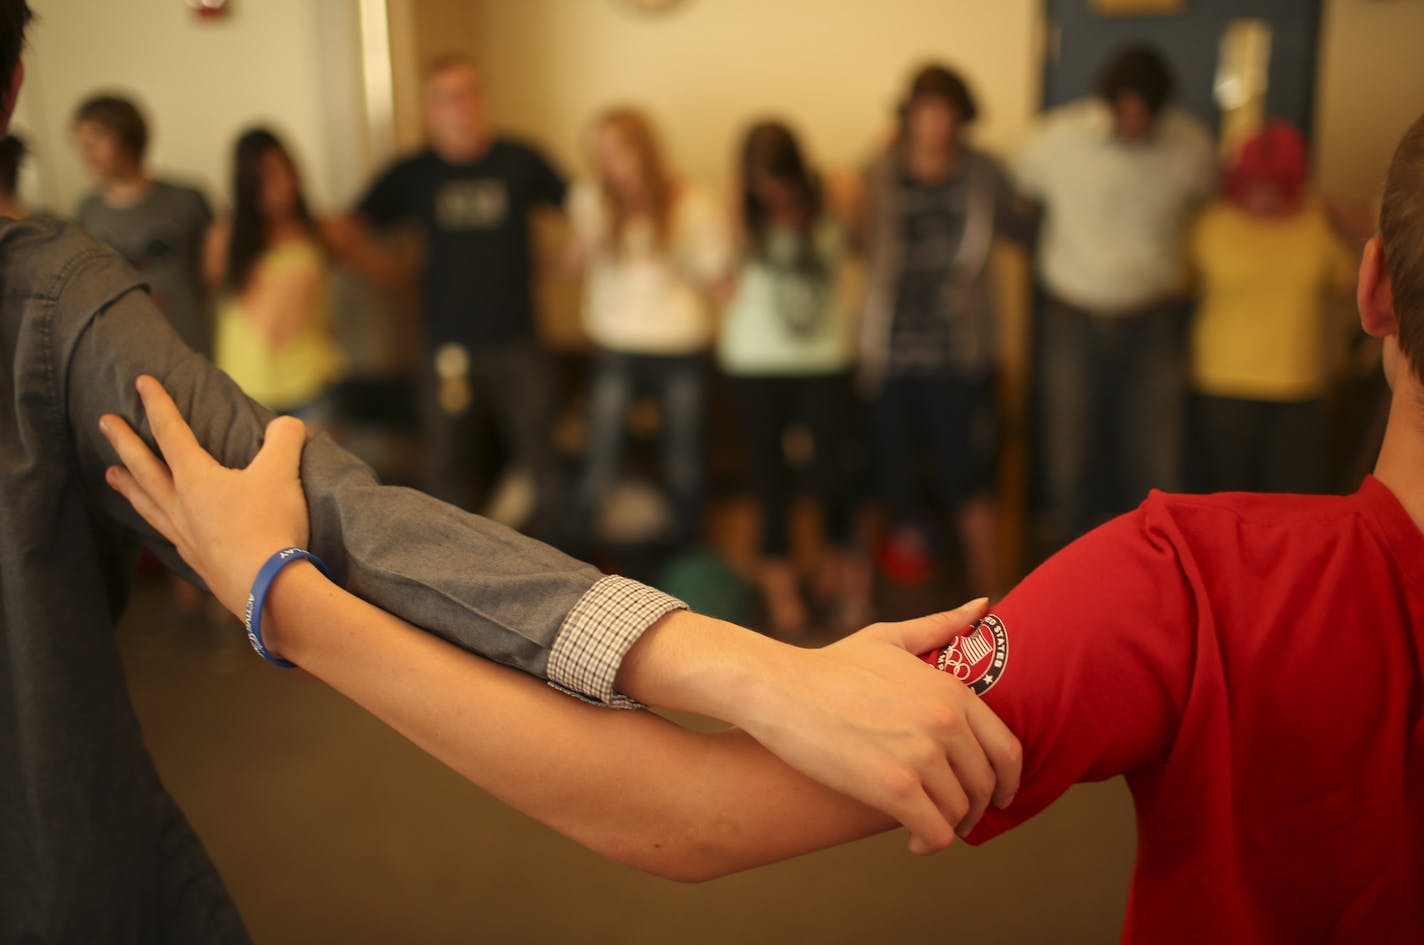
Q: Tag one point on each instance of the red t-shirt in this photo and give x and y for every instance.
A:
(1252, 664)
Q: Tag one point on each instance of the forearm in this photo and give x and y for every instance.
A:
(693, 663)
(350, 240)
(629, 785)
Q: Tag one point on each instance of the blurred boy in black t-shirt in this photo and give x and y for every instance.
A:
(470, 195)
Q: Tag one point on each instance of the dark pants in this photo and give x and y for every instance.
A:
(1258, 445)
(823, 406)
(1113, 411)
(515, 385)
(951, 420)
(680, 384)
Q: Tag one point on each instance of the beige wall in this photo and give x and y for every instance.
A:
(1371, 86)
(421, 32)
(291, 63)
(834, 68)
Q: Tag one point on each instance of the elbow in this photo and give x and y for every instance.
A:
(687, 858)
(682, 867)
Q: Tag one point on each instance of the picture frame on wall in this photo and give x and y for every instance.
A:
(1137, 7)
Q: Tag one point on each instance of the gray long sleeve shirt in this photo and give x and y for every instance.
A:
(91, 847)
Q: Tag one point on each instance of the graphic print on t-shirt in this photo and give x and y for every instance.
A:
(976, 658)
(471, 204)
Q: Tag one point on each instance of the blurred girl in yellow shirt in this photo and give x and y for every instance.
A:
(1267, 260)
(273, 331)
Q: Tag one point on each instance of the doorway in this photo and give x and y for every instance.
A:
(1080, 39)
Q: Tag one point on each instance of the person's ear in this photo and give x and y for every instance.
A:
(1375, 294)
(11, 96)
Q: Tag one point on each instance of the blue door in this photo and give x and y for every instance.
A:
(1081, 40)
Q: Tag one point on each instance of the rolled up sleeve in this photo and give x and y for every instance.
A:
(471, 581)
(601, 628)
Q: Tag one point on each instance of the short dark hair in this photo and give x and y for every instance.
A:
(1402, 237)
(15, 15)
(1140, 71)
(121, 118)
(940, 81)
(450, 61)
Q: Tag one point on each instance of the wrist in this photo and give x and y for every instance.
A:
(284, 631)
(692, 663)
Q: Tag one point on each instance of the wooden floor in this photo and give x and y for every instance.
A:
(330, 828)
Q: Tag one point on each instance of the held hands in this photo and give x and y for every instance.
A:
(224, 522)
(916, 745)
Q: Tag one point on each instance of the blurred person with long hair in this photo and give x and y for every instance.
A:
(274, 334)
(651, 245)
(157, 225)
(933, 206)
(1267, 259)
(786, 342)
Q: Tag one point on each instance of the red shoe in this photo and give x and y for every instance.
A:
(904, 558)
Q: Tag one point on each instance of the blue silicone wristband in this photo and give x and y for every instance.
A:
(260, 586)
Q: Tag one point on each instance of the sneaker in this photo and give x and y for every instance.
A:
(905, 559)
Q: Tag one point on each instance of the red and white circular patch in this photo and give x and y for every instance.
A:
(977, 657)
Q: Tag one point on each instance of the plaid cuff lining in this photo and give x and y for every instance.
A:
(598, 632)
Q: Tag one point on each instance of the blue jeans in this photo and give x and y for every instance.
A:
(515, 383)
(680, 384)
(823, 404)
(950, 419)
(1114, 406)
(1259, 445)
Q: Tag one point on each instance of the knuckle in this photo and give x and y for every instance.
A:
(941, 839)
(957, 809)
(923, 758)
(948, 722)
(1012, 754)
(902, 784)
(980, 786)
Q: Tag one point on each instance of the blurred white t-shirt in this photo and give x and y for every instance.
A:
(644, 298)
(1116, 214)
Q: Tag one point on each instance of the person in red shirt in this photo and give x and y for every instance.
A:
(1251, 663)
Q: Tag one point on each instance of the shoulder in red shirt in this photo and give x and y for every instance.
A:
(1252, 664)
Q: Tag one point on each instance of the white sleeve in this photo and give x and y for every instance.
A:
(703, 244)
(586, 213)
(1207, 175)
(1032, 167)
(1203, 176)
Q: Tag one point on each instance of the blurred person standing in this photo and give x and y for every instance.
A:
(158, 226)
(1119, 175)
(470, 194)
(786, 342)
(652, 246)
(1267, 258)
(933, 206)
(274, 334)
